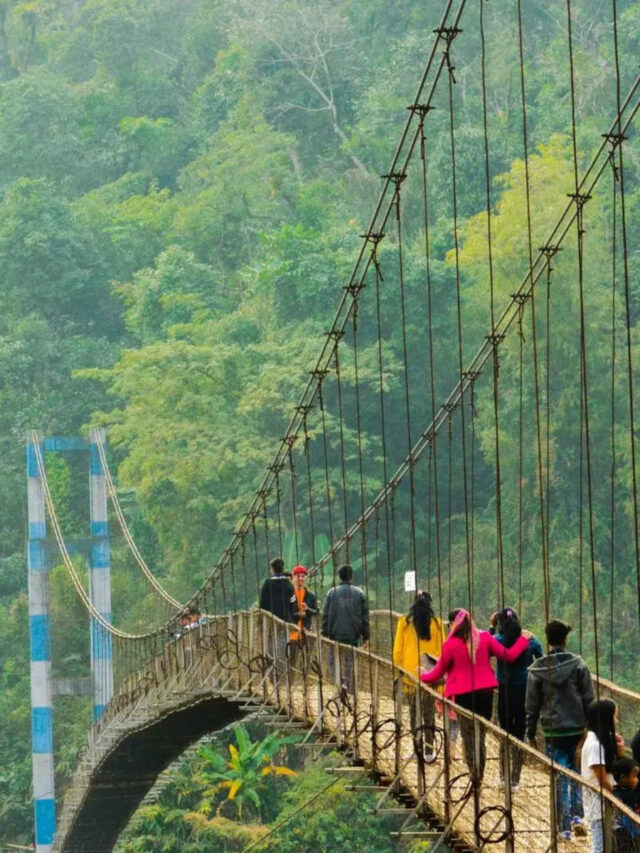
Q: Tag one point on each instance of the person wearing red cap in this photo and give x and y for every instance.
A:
(304, 606)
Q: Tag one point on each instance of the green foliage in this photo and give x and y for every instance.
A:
(239, 778)
(172, 294)
(337, 820)
(40, 107)
(49, 260)
(183, 813)
(15, 775)
(244, 775)
(182, 194)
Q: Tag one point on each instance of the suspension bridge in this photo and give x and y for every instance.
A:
(461, 486)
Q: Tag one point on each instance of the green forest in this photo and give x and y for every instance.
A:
(183, 189)
(297, 807)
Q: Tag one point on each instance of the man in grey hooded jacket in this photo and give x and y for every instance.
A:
(559, 691)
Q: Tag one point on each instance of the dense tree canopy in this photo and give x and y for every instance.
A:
(182, 190)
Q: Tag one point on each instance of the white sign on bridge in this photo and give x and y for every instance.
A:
(409, 581)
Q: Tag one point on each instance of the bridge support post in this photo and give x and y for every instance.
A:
(100, 579)
(607, 828)
(553, 812)
(40, 663)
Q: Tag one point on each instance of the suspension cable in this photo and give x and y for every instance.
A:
(617, 136)
(580, 200)
(492, 310)
(465, 376)
(68, 562)
(612, 506)
(510, 313)
(534, 343)
(144, 568)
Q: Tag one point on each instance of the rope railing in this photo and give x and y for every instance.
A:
(382, 634)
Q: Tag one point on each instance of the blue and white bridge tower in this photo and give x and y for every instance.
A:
(100, 580)
(43, 685)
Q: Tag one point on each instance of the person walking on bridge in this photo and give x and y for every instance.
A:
(418, 642)
(559, 692)
(600, 749)
(345, 618)
(304, 606)
(512, 690)
(465, 661)
(275, 597)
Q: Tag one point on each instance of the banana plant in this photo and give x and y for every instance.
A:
(243, 775)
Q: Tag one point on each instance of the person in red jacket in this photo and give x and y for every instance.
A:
(465, 662)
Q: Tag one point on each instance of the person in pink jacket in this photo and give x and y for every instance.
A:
(465, 662)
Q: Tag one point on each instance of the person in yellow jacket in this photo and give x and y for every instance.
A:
(417, 646)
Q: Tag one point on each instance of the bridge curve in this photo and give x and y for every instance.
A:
(115, 787)
(392, 524)
(218, 673)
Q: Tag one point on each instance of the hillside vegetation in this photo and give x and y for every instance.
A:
(183, 186)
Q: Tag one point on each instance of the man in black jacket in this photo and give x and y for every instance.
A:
(275, 597)
(345, 618)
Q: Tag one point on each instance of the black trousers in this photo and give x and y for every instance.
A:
(511, 714)
(480, 702)
(625, 842)
(512, 718)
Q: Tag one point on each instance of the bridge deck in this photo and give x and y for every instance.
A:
(529, 806)
(228, 661)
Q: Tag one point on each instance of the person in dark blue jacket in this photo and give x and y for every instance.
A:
(627, 833)
(512, 688)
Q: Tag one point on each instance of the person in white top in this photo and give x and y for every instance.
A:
(601, 747)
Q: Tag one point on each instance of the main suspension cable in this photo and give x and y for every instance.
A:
(68, 562)
(144, 568)
(510, 314)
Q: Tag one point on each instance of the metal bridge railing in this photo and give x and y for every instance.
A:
(357, 699)
(383, 625)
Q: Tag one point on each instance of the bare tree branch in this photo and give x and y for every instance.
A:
(306, 47)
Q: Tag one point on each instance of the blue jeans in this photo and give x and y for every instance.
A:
(562, 750)
(597, 836)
